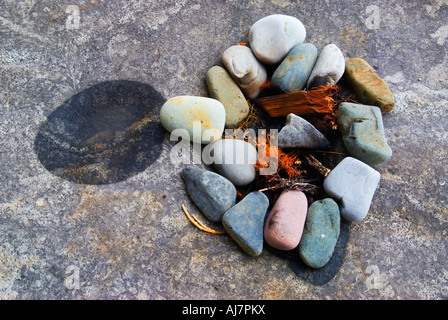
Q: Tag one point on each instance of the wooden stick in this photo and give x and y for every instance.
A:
(199, 224)
(301, 103)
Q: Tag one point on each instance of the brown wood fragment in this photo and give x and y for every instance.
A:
(301, 103)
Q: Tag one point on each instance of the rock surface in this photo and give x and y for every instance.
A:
(370, 89)
(202, 118)
(329, 67)
(284, 225)
(246, 70)
(244, 222)
(293, 72)
(321, 233)
(299, 133)
(212, 193)
(234, 159)
(353, 184)
(363, 133)
(272, 37)
(223, 88)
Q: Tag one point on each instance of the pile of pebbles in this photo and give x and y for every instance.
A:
(292, 222)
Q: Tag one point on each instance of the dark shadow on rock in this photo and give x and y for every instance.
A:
(103, 134)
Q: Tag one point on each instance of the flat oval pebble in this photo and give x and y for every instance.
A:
(234, 159)
(272, 37)
(299, 133)
(352, 183)
(369, 88)
(185, 113)
(244, 222)
(284, 225)
(363, 133)
(223, 88)
(293, 72)
(329, 67)
(245, 69)
(321, 233)
(212, 193)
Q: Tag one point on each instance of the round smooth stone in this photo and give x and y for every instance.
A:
(200, 119)
(329, 67)
(299, 133)
(272, 37)
(284, 225)
(234, 159)
(223, 88)
(245, 69)
(292, 74)
(321, 233)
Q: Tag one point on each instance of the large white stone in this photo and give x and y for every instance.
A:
(352, 183)
(272, 37)
(245, 69)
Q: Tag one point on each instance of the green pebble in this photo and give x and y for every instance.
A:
(321, 233)
(363, 133)
(223, 88)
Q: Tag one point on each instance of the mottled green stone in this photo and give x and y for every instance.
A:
(223, 88)
(292, 74)
(321, 233)
(369, 88)
(363, 133)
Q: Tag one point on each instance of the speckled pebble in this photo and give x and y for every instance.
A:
(212, 193)
(321, 233)
(244, 222)
(293, 72)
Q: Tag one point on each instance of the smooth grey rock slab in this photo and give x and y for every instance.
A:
(299, 133)
(353, 184)
(212, 193)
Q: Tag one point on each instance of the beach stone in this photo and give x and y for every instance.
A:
(234, 159)
(284, 225)
(352, 183)
(185, 113)
(363, 133)
(299, 133)
(293, 72)
(249, 74)
(212, 193)
(272, 37)
(369, 88)
(223, 88)
(244, 222)
(321, 233)
(329, 67)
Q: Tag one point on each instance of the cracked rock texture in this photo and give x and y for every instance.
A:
(64, 240)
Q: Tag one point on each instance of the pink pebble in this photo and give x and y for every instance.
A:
(284, 226)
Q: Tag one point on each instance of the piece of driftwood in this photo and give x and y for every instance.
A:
(321, 101)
